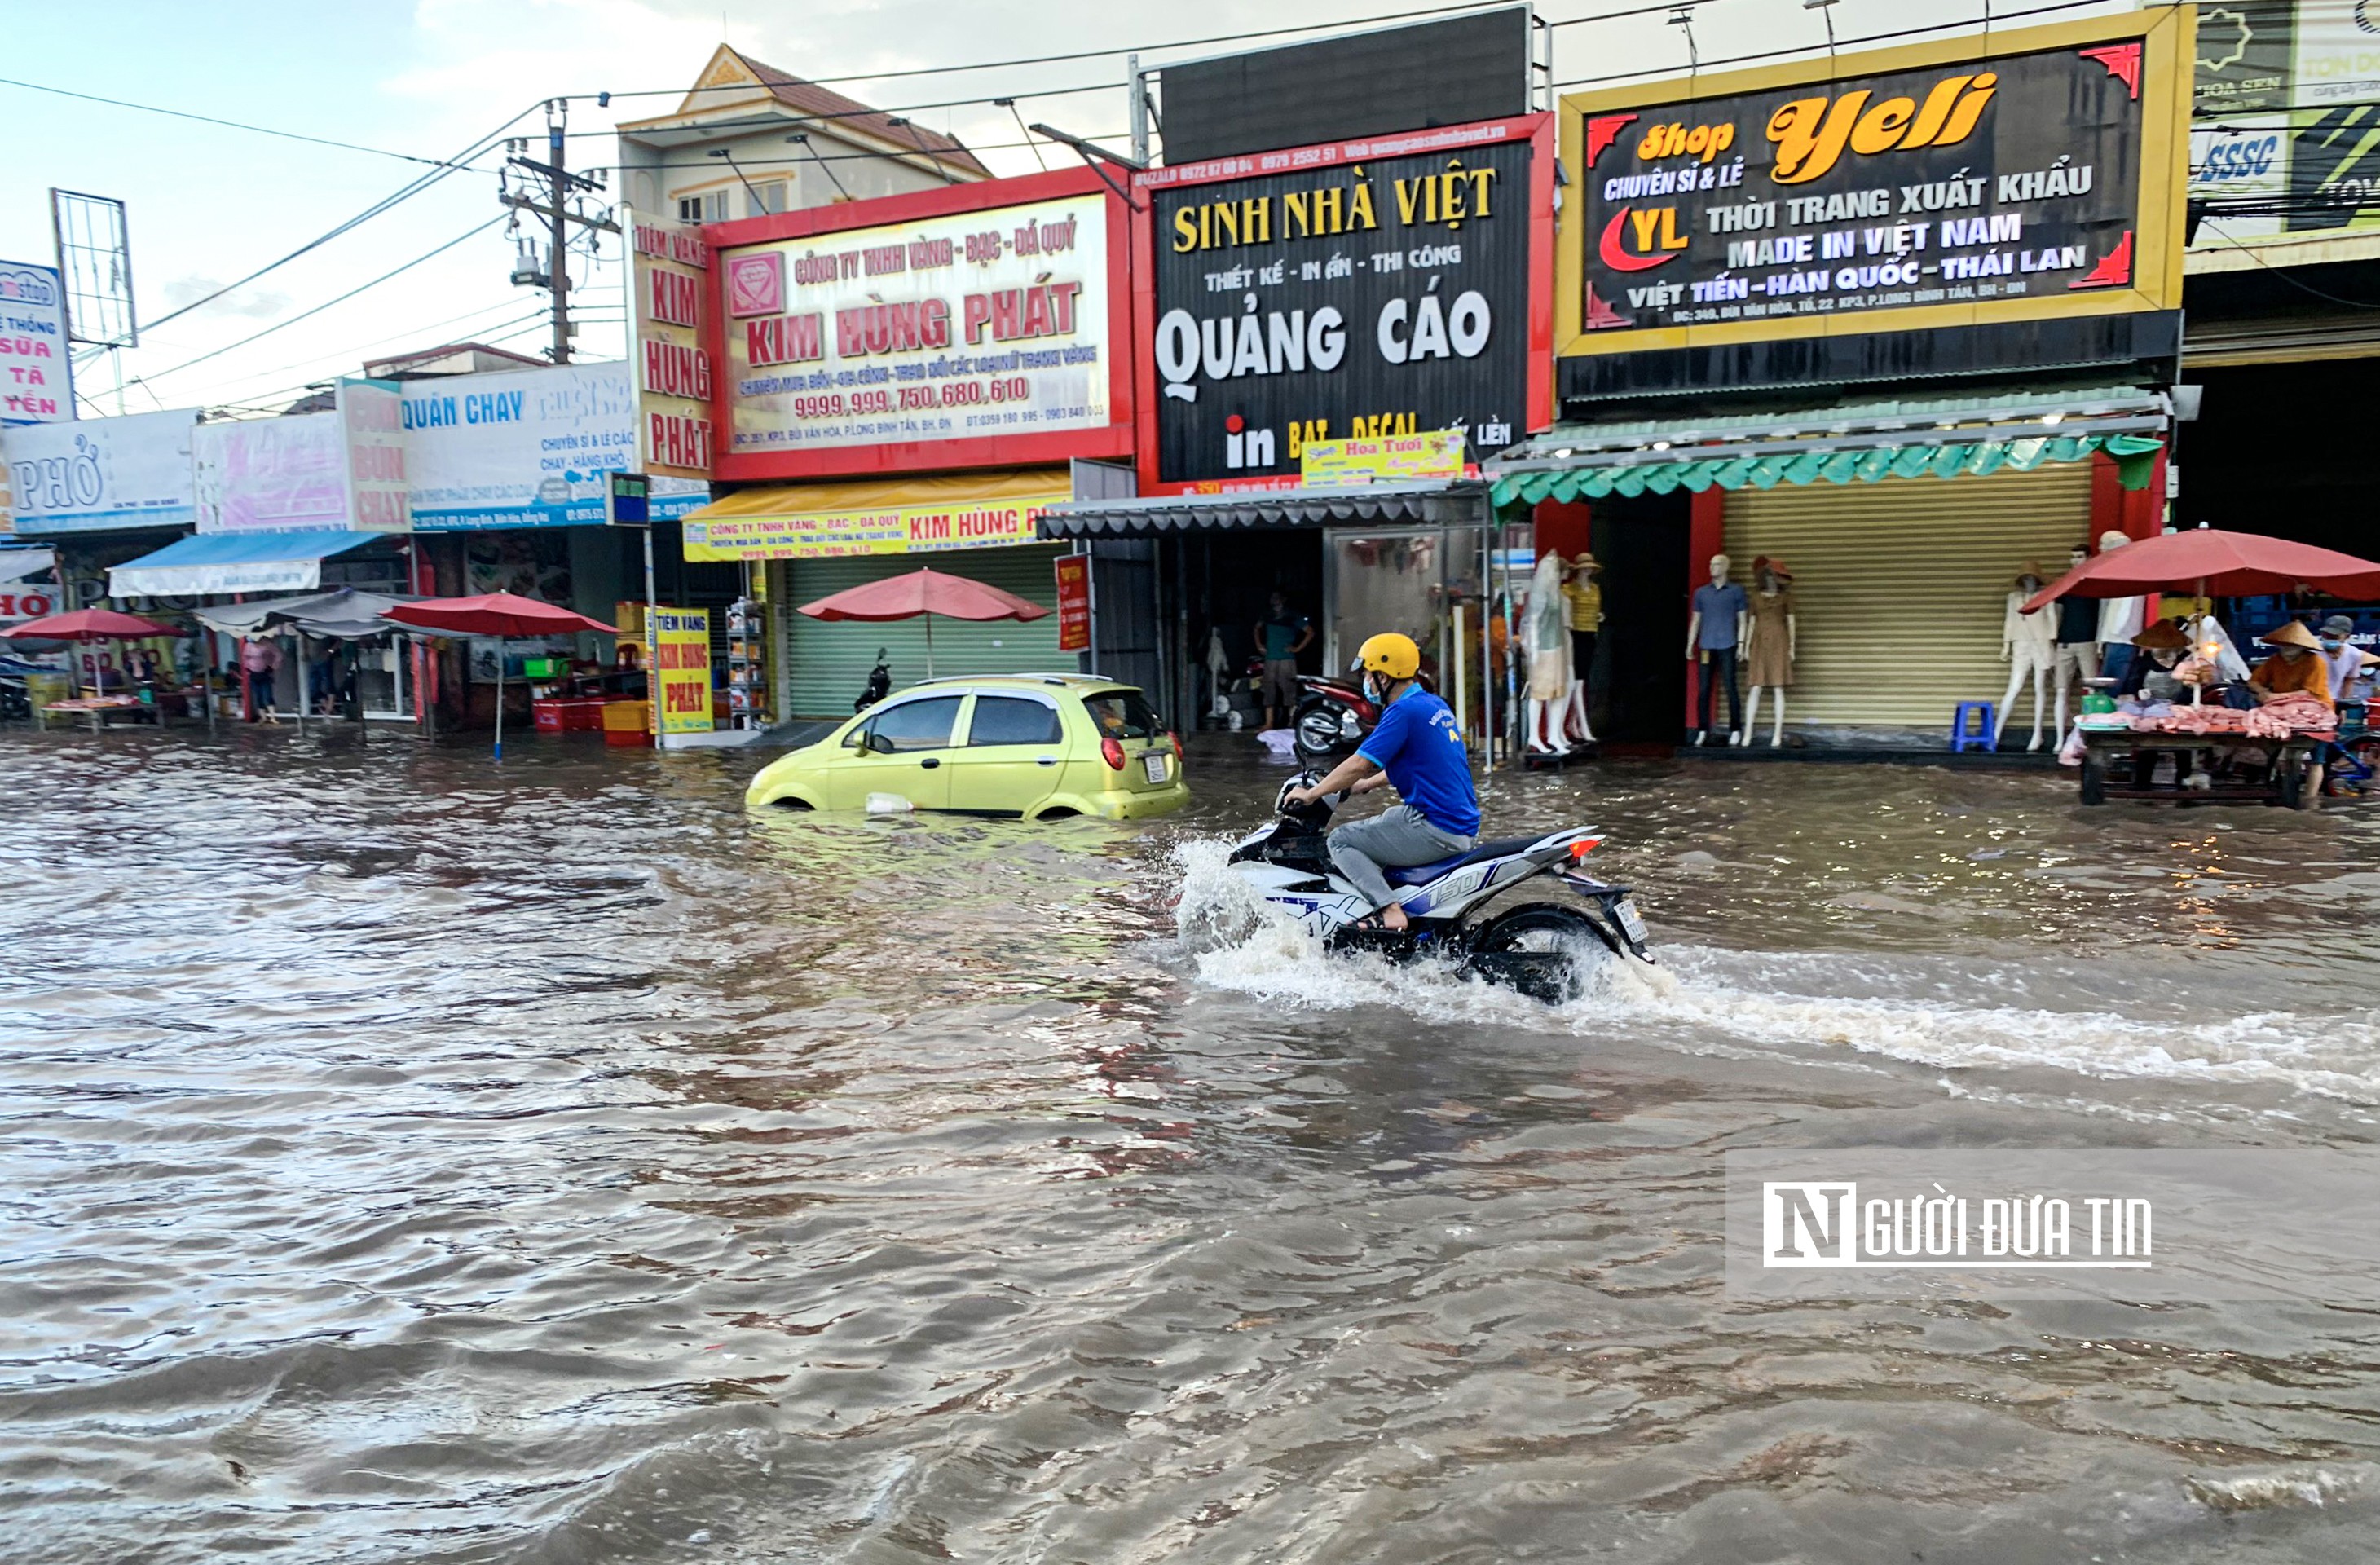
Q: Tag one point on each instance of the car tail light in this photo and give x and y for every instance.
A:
(1112, 753)
(1178, 756)
(1584, 846)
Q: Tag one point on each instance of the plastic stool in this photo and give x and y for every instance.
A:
(1961, 739)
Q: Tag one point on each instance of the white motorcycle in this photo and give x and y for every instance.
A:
(1536, 947)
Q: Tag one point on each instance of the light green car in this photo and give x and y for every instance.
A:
(1036, 746)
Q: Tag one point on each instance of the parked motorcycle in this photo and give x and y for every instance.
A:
(1332, 719)
(880, 681)
(1536, 947)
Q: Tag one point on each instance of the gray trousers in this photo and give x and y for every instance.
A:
(1394, 839)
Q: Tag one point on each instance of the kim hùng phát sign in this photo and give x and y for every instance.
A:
(2031, 175)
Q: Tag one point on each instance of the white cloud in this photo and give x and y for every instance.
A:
(257, 304)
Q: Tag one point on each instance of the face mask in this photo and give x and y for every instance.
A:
(1372, 691)
(2330, 643)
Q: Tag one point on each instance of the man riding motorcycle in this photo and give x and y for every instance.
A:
(1415, 748)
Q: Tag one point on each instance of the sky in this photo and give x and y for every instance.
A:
(208, 204)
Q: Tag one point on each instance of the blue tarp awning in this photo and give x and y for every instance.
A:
(234, 562)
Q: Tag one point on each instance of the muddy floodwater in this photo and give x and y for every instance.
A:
(406, 1160)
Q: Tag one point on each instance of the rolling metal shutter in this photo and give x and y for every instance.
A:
(824, 664)
(1900, 586)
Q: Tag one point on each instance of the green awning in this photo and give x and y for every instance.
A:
(2136, 457)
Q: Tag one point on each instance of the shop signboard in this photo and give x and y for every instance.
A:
(1387, 287)
(976, 326)
(670, 294)
(99, 475)
(36, 377)
(678, 645)
(20, 597)
(1074, 602)
(527, 448)
(2035, 174)
(882, 530)
(371, 420)
(270, 475)
(1430, 456)
(2286, 145)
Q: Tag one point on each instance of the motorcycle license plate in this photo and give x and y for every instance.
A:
(1153, 767)
(1630, 922)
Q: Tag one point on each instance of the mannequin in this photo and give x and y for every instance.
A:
(1584, 596)
(1714, 630)
(1546, 634)
(2120, 619)
(2027, 646)
(1771, 645)
(1218, 674)
(2074, 654)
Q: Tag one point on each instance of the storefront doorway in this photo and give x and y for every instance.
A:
(1640, 676)
(1238, 574)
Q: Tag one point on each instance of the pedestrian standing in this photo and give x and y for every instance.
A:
(1278, 639)
(259, 658)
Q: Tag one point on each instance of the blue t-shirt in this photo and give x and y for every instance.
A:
(1418, 746)
(1281, 634)
(1719, 606)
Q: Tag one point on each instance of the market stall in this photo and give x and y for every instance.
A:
(2266, 742)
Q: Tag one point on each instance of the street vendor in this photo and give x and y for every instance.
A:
(2296, 666)
(2157, 652)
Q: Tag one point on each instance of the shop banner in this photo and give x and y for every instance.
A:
(99, 474)
(1911, 189)
(1431, 457)
(961, 326)
(679, 643)
(890, 529)
(1074, 602)
(20, 598)
(369, 416)
(36, 377)
(277, 474)
(2295, 153)
(669, 290)
(1363, 289)
(525, 448)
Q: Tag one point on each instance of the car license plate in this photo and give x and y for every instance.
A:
(1154, 767)
(1629, 923)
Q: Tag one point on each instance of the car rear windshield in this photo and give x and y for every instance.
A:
(1124, 714)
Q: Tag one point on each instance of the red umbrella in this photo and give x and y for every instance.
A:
(927, 592)
(88, 624)
(2208, 560)
(500, 614)
(494, 613)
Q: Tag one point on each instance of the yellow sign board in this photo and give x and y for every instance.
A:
(2034, 175)
(679, 642)
(883, 530)
(1430, 456)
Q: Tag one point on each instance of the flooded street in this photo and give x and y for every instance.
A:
(407, 1160)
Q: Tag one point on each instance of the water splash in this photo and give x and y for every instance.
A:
(1905, 1010)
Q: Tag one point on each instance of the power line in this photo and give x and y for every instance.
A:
(405, 193)
(1812, 49)
(211, 119)
(359, 348)
(278, 325)
(1080, 55)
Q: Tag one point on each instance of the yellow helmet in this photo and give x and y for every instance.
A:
(1390, 654)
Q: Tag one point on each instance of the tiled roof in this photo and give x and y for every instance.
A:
(812, 99)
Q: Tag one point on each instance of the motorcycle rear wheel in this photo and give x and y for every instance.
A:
(1315, 724)
(1538, 949)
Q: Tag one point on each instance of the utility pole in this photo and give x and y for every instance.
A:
(1139, 109)
(560, 183)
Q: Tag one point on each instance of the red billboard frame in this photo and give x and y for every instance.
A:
(1537, 129)
(919, 457)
